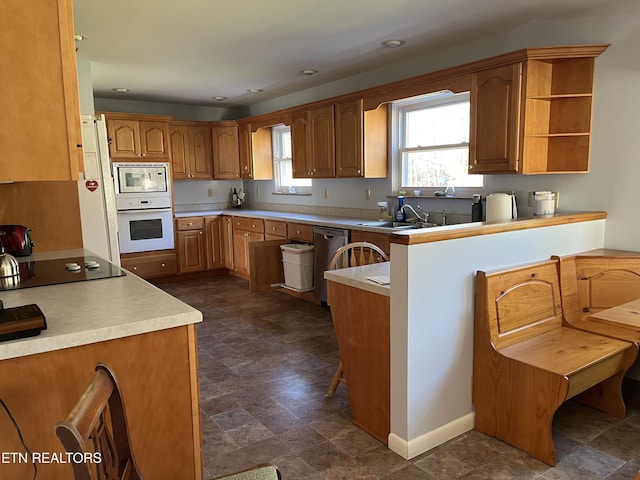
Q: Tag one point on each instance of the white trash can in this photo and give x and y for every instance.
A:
(297, 260)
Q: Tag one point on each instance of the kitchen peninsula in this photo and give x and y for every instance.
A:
(431, 314)
(145, 335)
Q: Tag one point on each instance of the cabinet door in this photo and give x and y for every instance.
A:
(226, 157)
(349, 139)
(240, 253)
(246, 160)
(200, 161)
(153, 140)
(191, 250)
(214, 245)
(322, 142)
(124, 138)
(179, 151)
(299, 152)
(495, 120)
(227, 240)
(40, 135)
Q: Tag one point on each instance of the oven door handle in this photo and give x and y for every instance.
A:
(150, 210)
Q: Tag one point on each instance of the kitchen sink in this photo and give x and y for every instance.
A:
(398, 225)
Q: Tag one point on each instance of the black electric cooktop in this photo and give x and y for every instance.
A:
(63, 270)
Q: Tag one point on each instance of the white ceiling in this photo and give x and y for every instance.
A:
(189, 51)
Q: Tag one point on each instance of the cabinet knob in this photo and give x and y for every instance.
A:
(470, 167)
(163, 264)
(200, 232)
(298, 232)
(246, 234)
(135, 268)
(253, 225)
(273, 228)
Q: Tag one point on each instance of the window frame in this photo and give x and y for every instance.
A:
(279, 186)
(398, 109)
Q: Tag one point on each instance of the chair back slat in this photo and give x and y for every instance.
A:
(356, 254)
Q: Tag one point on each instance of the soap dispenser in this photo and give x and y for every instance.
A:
(400, 212)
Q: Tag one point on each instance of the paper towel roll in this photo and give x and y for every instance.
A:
(499, 207)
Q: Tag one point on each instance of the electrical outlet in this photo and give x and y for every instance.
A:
(367, 194)
(326, 193)
(210, 192)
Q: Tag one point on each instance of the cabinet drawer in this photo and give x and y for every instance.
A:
(248, 224)
(275, 228)
(300, 232)
(190, 223)
(151, 266)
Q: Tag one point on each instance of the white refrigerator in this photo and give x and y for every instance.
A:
(97, 193)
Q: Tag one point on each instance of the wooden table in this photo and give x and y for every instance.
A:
(626, 315)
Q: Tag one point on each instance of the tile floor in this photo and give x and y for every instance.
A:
(266, 361)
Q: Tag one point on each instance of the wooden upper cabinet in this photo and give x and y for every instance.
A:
(300, 158)
(40, 136)
(140, 137)
(256, 153)
(349, 139)
(361, 140)
(495, 119)
(313, 143)
(534, 115)
(191, 152)
(226, 156)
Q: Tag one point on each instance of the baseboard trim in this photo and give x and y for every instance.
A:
(412, 448)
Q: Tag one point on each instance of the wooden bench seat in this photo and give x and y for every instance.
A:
(593, 282)
(528, 361)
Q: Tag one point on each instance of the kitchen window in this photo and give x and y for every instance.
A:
(282, 164)
(431, 142)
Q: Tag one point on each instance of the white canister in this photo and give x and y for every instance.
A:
(500, 206)
(544, 203)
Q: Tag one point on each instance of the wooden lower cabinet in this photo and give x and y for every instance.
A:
(157, 374)
(241, 240)
(190, 244)
(200, 243)
(245, 231)
(214, 243)
(379, 239)
(151, 264)
(361, 321)
(227, 242)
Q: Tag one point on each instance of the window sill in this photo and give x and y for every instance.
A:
(297, 194)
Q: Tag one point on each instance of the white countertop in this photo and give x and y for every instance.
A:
(357, 277)
(81, 313)
(310, 219)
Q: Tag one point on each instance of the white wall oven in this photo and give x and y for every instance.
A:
(143, 199)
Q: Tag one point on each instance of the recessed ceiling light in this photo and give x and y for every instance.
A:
(120, 90)
(78, 38)
(219, 99)
(254, 90)
(308, 71)
(393, 43)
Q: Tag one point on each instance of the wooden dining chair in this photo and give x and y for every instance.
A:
(352, 255)
(98, 425)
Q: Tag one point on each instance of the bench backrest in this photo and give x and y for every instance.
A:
(520, 303)
(591, 284)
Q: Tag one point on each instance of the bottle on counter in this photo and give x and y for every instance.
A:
(400, 215)
(476, 208)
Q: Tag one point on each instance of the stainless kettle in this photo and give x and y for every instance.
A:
(9, 270)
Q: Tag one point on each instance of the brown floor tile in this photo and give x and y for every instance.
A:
(265, 364)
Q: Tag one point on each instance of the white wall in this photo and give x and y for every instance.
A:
(432, 322)
(611, 184)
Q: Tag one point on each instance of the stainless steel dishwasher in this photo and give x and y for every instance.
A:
(325, 242)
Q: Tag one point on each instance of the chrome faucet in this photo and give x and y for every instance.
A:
(418, 217)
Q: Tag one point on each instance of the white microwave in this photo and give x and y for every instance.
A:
(142, 178)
